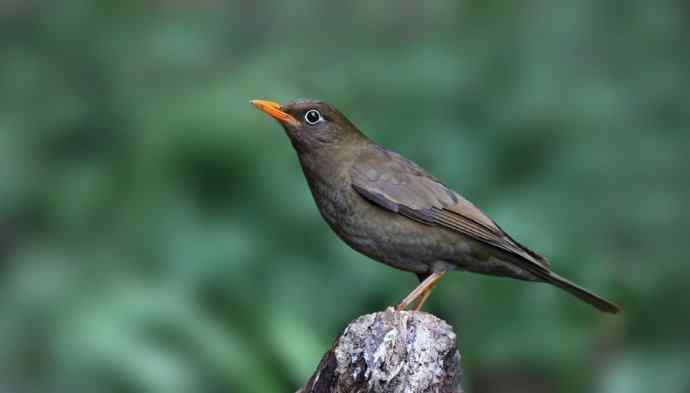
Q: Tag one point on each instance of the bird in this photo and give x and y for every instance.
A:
(390, 209)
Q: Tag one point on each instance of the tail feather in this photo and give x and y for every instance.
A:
(581, 293)
(552, 278)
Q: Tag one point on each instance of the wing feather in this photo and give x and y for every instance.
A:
(401, 186)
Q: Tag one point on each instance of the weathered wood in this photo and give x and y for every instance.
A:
(390, 352)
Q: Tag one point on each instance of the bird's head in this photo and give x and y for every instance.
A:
(310, 124)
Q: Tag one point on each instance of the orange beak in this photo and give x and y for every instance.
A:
(273, 109)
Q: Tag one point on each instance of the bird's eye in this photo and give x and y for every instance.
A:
(313, 116)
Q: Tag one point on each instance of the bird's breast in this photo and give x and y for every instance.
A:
(375, 232)
(335, 202)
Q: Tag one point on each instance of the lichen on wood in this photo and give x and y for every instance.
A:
(390, 352)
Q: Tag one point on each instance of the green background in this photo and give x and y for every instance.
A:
(157, 235)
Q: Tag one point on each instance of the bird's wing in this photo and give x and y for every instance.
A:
(394, 183)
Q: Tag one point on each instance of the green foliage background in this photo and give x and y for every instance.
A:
(156, 234)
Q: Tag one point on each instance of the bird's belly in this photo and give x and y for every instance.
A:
(385, 236)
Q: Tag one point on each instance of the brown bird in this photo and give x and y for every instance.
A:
(388, 208)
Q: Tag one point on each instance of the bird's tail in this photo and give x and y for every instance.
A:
(540, 270)
(581, 293)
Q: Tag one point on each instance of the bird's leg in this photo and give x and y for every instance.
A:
(426, 294)
(422, 299)
(421, 289)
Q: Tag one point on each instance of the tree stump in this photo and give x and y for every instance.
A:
(390, 352)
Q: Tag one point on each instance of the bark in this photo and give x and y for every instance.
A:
(390, 352)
